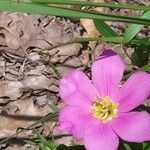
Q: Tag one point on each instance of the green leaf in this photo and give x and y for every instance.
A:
(146, 68)
(134, 29)
(55, 70)
(42, 143)
(147, 146)
(140, 56)
(138, 42)
(6, 5)
(30, 142)
(122, 147)
(127, 147)
(63, 147)
(136, 146)
(104, 29)
(41, 137)
(87, 3)
(131, 146)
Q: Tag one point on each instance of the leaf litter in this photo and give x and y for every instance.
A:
(28, 82)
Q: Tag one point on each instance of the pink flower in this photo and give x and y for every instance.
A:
(100, 111)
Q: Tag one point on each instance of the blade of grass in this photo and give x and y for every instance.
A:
(86, 3)
(44, 119)
(136, 146)
(30, 142)
(53, 107)
(66, 12)
(134, 29)
(55, 70)
(115, 40)
(42, 139)
(64, 147)
(118, 40)
(138, 42)
(140, 56)
(146, 68)
(147, 147)
(127, 146)
(104, 29)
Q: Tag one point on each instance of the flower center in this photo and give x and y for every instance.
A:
(104, 109)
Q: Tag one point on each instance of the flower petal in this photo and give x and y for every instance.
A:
(74, 120)
(132, 126)
(107, 71)
(134, 91)
(78, 83)
(77, 99)
(100, 136)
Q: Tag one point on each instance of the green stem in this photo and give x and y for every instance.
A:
(115, 40)
(77, 40)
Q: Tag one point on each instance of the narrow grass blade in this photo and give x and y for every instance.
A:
(46, 118)
(140, 56)
(115, 40)
(138, 42)
(30, 142)
(86, 3)
(147, 147)
(134, 29)
(66, 12)
(104, 29)
(64, 147)
(146, 68)
(55, 70)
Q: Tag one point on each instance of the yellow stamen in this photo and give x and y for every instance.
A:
(104, 109)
